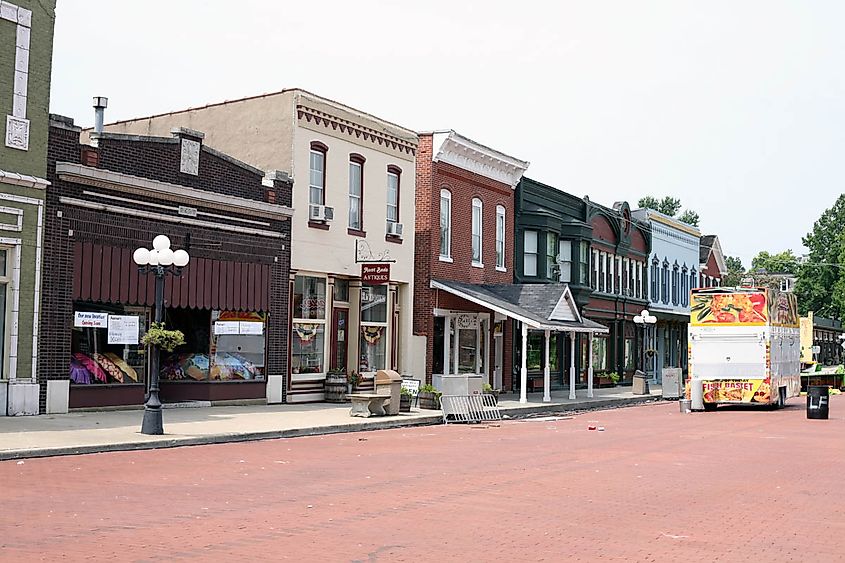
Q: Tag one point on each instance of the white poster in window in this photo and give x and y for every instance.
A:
(250, 327)
(90, 320)
(227, 327)
(123, 329)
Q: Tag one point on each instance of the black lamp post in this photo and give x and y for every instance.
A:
(159, 261)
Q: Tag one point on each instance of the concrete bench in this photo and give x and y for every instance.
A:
(367, 404)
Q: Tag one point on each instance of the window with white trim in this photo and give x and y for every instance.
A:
(317, 177)
(445, 224)
(476, 231)
(356, 193)
(309, 324)
(655, 281)
(551, 256)
(392, 195)
(529, 254)
(500, 237)
(619, 286)
(373, 338)
(564, 258)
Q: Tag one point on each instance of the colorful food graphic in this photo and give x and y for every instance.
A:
(737, 391)
(729, 308)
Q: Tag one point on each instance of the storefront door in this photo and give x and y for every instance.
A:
(340, 326)
(498, 355)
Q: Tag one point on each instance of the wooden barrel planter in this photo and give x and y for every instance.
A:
(404, 403)
(429, 400)
(336, 388)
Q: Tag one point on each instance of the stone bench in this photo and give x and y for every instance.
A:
(367, 404)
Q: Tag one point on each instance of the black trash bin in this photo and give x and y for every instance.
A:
(818, 406)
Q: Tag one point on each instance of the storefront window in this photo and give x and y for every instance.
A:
(104, 352)
(309, 298)
(467, 350)
(237, 346)
(307, 341)
(341, 290)
(534, 358)
(4, 288)
(373, 337)
(599, 354)
(629, 353)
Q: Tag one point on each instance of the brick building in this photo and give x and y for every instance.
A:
(114, 195)
(711, 262)
(26, 51)
(599, 252)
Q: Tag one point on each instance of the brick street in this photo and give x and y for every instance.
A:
(656, 485)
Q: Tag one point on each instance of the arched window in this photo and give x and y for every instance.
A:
(317, 178)
(356, 192)
(685, 286)
(394, 174)
(655, 280)
(445, 225)
(676, 289)
(664, 278)
(693, 278)
(476, 232)
(500, 237)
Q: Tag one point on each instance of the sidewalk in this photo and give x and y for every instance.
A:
(104, 431)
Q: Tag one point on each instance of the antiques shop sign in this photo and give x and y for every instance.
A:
(374, 274)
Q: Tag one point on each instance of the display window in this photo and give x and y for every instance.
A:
(373, 337)
(309, 325)
(219, 346)
(105, 344)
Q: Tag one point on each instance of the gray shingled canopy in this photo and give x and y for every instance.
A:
(530, 303)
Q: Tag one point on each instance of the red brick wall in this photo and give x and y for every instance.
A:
(464, 186)
(603, 232)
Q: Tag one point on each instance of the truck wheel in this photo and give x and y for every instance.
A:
(709, 407)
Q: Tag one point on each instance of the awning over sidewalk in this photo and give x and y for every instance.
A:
(546, 307)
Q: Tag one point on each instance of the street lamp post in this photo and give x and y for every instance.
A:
(159, 261)
(643, 320)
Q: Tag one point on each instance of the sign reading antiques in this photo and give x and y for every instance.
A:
(374, 274)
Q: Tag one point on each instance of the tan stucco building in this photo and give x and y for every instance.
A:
(353, 201)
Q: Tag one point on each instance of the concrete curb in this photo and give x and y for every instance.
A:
(427, 420)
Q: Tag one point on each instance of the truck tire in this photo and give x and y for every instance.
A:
(709, 407)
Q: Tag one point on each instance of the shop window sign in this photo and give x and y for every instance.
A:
(84, 319)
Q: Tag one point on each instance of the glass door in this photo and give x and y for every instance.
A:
(340, 331)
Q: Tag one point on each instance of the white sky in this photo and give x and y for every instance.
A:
(736, 107)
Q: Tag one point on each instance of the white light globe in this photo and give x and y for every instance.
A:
(153, 258)
(180, 258)
(141, 256)
(161, 242)
(639, 320)
(643, 313)
(165, 257)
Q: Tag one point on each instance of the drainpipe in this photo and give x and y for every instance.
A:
(100, 105)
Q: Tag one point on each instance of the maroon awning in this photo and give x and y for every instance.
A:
(108, 274)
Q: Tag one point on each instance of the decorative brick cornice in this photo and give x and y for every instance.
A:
(356, 130)
(464, 153)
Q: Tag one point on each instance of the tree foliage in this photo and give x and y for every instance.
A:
(689, 217)
(669, 206)
(735, 271)
(781, 263)
(821, 278)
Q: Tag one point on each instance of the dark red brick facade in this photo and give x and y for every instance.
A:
(463, 186)
(69, 224)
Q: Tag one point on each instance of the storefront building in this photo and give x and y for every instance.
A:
(26, 51)
(673, 272)
(112, 196)
(711, 262)
(599, 253)
(464, 233)
(351, 279)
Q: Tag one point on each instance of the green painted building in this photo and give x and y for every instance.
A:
(26, 52)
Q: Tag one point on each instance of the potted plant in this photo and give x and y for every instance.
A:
(487, 389)
(429, 397)
(165, 339)
(609, 378)
(352, 381)
(405, 400)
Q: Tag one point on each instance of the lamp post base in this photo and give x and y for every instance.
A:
(152, 423)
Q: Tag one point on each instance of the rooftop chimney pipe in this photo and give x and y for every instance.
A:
(100, 105)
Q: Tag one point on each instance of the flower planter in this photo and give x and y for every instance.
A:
(404, 403)
(335, 388)
(429, 400)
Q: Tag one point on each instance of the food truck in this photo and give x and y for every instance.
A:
(744, 346)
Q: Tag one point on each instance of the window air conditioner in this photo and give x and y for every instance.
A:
(320, 212)
(394, 229)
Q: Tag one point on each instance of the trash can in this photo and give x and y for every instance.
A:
(640, 384)
(818, 406)
(389, 382)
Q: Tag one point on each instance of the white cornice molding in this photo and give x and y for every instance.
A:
(23, 180)
(166, 191)
(460, 151)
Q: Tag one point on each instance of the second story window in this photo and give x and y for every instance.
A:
(551, 257)
(564, 258)
(446, 224)
(675, 285)
(693, 279)
(684, 287)
(655, 281)
(356, 192)
(476, 232)
(529, 254)
(594, 279)
(500, 237)
(317, 178)
(664, 278)
(583, 263)
(393, 175)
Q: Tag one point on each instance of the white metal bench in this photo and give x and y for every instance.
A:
(367, 404)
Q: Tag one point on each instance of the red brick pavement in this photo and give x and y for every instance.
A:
(735, 485)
